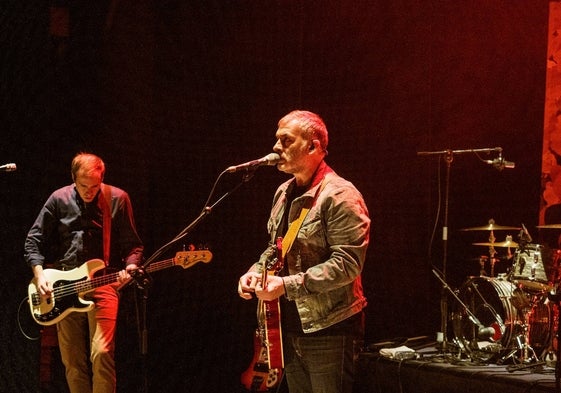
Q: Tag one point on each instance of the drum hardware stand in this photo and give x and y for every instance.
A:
(482, 260)
(493, 258)
(492, 263)
(448, 158)
(527, 353)
(492, 252)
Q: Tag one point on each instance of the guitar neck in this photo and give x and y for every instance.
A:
(96, 282)
(160, 265)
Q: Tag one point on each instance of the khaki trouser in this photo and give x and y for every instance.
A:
(87, 344)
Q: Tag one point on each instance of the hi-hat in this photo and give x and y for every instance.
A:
(506, 243)
(550, 226)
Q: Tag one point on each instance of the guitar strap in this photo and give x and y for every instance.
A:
(295, 225)
(106, 208)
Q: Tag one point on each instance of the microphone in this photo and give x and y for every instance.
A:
(269, 159)
(8, 167)
(500, 163)
(485, 332)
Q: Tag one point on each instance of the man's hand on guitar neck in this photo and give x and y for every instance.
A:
(247, 284)
(273, 290)
(251, 282)
(124, 275)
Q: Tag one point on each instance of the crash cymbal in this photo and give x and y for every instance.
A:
(550, 226)
(507, 243)
(491, 227)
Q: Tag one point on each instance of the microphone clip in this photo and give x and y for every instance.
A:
(500, 163)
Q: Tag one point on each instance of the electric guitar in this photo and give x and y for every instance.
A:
(265, 371)
(70, 286)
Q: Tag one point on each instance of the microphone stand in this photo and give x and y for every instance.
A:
(449, 157)
(143, 280)
(471, 316)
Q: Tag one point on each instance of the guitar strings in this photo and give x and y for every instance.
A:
(87, 285)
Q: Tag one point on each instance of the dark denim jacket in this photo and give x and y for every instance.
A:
(326, 258)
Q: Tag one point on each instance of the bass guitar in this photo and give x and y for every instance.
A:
(70, 286)
(266, 368)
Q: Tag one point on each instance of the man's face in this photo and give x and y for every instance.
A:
(88, 186)
(292, 148)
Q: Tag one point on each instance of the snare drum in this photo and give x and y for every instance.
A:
(528, 270)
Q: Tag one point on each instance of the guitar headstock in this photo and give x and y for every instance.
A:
(187, 259)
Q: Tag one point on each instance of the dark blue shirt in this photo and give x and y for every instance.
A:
(69, 232)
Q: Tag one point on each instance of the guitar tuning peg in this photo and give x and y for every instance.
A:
(191, 247)
(202, 246)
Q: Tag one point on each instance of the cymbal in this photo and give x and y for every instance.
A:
(491, 227)
(486, 258)
(507, 243)
(550, 226)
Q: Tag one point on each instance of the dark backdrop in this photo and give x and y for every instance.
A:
(170, 93)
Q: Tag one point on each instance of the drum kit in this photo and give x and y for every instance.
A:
(511, 316)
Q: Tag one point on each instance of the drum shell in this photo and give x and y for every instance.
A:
(492, 302)
(529, 270)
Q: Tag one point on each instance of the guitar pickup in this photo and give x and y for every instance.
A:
(36, 299)
(261, 367)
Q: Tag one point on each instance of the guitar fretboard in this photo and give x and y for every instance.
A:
(84, 286)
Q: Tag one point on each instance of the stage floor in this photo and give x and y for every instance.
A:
(434, 372)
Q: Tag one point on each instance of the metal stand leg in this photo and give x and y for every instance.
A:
(527, 353)
(523, 351)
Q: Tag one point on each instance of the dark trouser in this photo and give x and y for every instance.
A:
(320, 364)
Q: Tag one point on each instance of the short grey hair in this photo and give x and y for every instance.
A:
(311, 124)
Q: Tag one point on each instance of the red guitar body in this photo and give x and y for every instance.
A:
(265, 371)
(259, 377)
